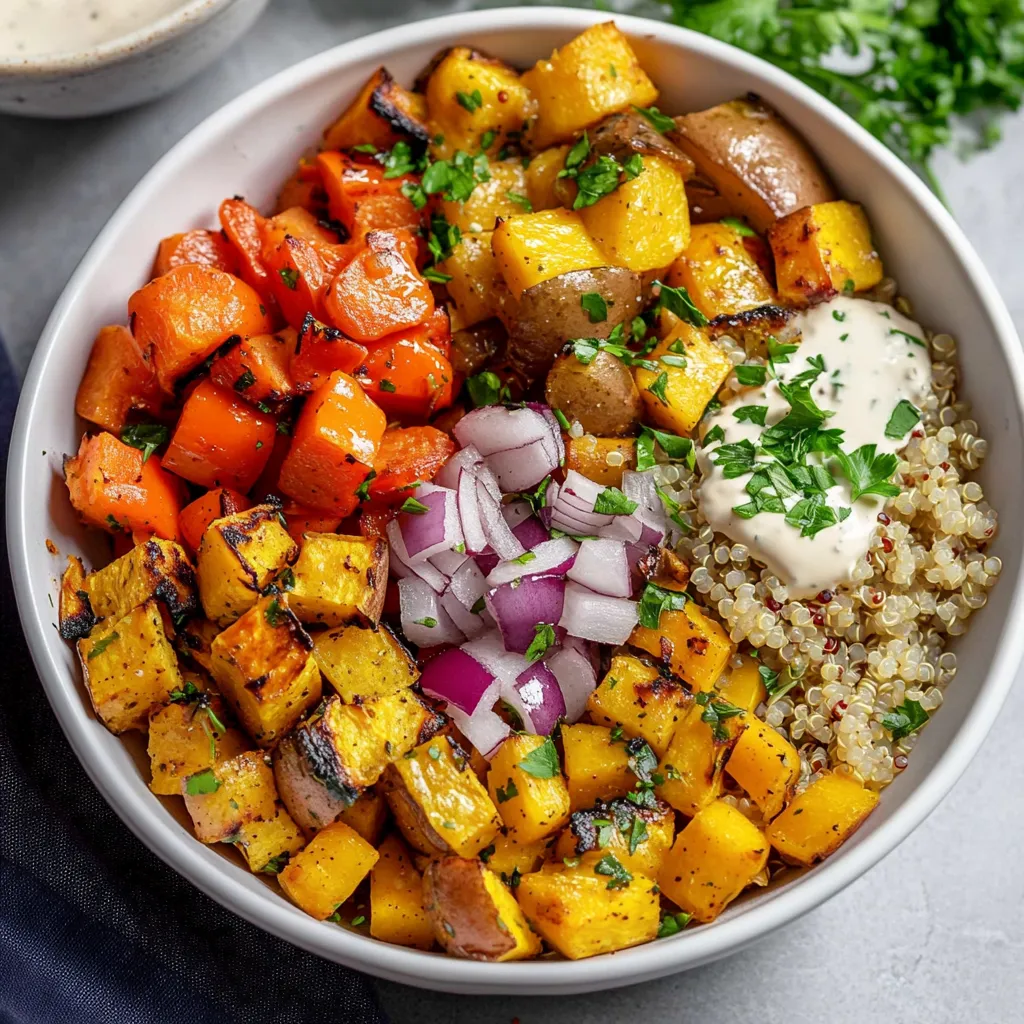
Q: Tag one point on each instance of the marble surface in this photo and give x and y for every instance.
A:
(935, 933)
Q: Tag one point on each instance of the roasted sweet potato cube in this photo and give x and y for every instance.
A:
(474, 270)
(438, 802)
(766, 765)
(340, 579)
(263, 666)
(396, 898)
(362, 663)
(267, 844)
(75, 614)
(238, 556)
(130, 668)
(321, 877)
(601, 459)
(507, 856)
(223, 799)
(596, 766)
(527, 787)
(717, 855)
(474, 915)
(368, 815)
(380, 115)
(541, 175)
(490, 200)
(692, 765)
(195, 518)
(119, 377)
(635, 696)
(194, 639)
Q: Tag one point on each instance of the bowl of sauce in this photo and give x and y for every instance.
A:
(76, 58)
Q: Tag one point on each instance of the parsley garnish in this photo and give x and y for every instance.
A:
(525, 558)
(470, 101)
(520, 200)
(245, 380)
(751, 374)
(290, 276)
(414, 507)
(903, 419)
(905, 719)
(811, 515)
(741, 227)
(147, 437)
(430, 623)
(658, 386)
(202, 783)
(612, 502)
(659, 121)
(751, 414)
(672, 924)
(542, 762)
(869, 473)
(736, 459)
(434, 275)
(442, 238)
(678, 302)
(637, 834)
(716, 711)
(363, 490)
(506, 794)
(609, 865)
(486, 388)
(679, 449)
(386, 385)
(594, 306)
(101, 645)
(274, 614)
(656, 600)
(543, 639)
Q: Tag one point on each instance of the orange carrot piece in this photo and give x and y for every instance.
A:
(257, 368)
(408, 378)
(333, 447)
(119, 377)
(408, 454)
(220, 440)
(215, 504)
(113, 487)
(298, 279)
(268, 482)
(320, 350)
(209, 248)
(303, 188)
(243, 225)
(301, 520)
(374, 519)
(361, 198)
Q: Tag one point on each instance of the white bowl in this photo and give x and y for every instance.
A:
(132, 69)
(249, 147)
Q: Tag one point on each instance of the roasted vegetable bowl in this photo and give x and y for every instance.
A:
(537, 528)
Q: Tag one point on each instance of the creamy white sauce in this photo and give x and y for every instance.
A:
(29, 28)
(875, 368)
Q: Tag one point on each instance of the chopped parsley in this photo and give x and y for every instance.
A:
(751, 374)
(912, 338)
(430, 622)
(741, 227)
(637, 834)
(904, 719)
(506, 794)
(435, 276)
(659, 122)
(414, 507)
(751, 414)
(520, 200)
(658, 386)
(290, 276)
(542, 762)
(274, 614)
(202, 783)
(678, 449)
(716, 711)
(609, 865)
(543, 640)
(678, 302)
(612, 502)
(525, 558)
(904, 418)
(386, 385)
(869, 473)
(672, 924)
(486, 389)
(654, 600)
(470, 101)
(594, 306)
(101, 645)
(442, 238)
(147, 437)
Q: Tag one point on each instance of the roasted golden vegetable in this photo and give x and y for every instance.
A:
(75, 613)
(267, 844)
(596, 766)
(368, 815)
(602, 459)
(601, 394)
(507, 855)
(490, 200)
(396, 898)
(821, 818)
(541, 175)
(527, 787)
(362, 663)
(474, 272)
(339, 579)
(380, 115)
(223, 799)
(766, 765)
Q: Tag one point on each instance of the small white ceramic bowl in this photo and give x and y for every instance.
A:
(127, 71)
(249, 147)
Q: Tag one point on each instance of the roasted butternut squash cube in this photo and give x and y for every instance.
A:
(742, 684)
(821, 818)
(507, 856)
(188, 737)
(130, 669)
(157, 568)
(591, 908)
(340, 579)
(689, 643)
(592, 76)
(75, 614)
(263, 666)
(490, 200)
(635, 696)
(223, 799)
(823, 250)
(526, 785)
(322, 876)
(267, 844)
(470, 94)
(534, 247)
(396, 898)
(719, 273)
(194, 640)
(381, 115)
(238, 557)
(474, 272)
(766, 765)
(645, 223)
(368, 815)
(692, 765)
(596, 766)
(601, 459)
(343, 749)
(681, 393)
(715, 857)
(541, 175)
(362, 663)
(438, 802)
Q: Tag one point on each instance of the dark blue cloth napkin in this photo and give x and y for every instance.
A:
(95, 928)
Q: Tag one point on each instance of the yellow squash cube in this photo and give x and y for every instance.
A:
(601, 459)
(766, 765)
(223, 799)
(823, 250)
(267, 844)
(717, 855)
(321, 877)
(238, 557)
(592, 76)
(530, 795)
(742, 684)
(645, 223)
(362, 663)
(396, 898)
(474, 274)
(265, 670)
(507, 855)
(718, 272)
(541, 176)
(596, 766)
(534, 247)
(821, 818)
(635, 696)
(368, 815)
(340, 579)
(686, 389)
(130, 668)
(490, 200)
(692, 765)
(582, 913)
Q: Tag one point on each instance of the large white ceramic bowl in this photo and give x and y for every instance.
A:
(249, 147)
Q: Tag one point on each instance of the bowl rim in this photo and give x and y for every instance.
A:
(190, 15)
(147, 818)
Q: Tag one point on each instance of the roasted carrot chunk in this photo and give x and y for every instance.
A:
(257, 368)
(362, 199)
(301, 520)
(220, 440)
(407, 377)
(380, 115)
(243, 225)
(380, 291)
(318, 351)
(298, 279)
(374, 519)
(299, 223)
(268, 482)
(215, 504)
(114, 487)
(209, 248)
(119, 377)
(408, 454)
(188, 313)
(303, 188)
(333, 447)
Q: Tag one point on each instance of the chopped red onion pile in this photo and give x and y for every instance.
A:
(524, 595)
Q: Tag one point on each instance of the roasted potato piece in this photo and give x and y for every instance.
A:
(759, 166)
(600, 394)
(238, 557)
(129, 668)
(267, 844)
(591, 908)
(473, 914)
(264, 667)
(474, 347)
(439, 803)
(223, 799)
(380, 115)
(490, 199)
(766, 765)
(363, 663)
(339, 579)
(717, 855)
(474, 274)
(532, 803)
(321, 877)
(75, 613)
(623, 134)
(602, 459)
(396, 898)
(823, 250)
(592, 76)
(821, 818)
(596, 766)
(542, 176)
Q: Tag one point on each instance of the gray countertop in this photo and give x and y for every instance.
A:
(933, 934)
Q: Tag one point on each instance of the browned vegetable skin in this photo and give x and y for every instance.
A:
(75, 611)
(752, 163)
(601, 394)
(380, 115)
(474, 347)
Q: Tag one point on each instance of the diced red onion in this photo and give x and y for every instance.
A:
(489, 650)
(601, 566)
(420, 606)
(640, 487)
(576, 677)
(518, 608)
(471, 623)
(469, 512)
(438, 529)
(448, 562)
(460, 679)
(403, 567)
(489, 482)
(468, 584)
(625, 528)
(586, 649)
(582, 524)
(607, 620)
(537, 699)
(530, 532)
(553, 557)
(466, 458)
(495, 428)
(520, 468)
(499, 536)
(556, 427)
(582, 488)
(487, 561)
(485, 729)
(515, 512)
